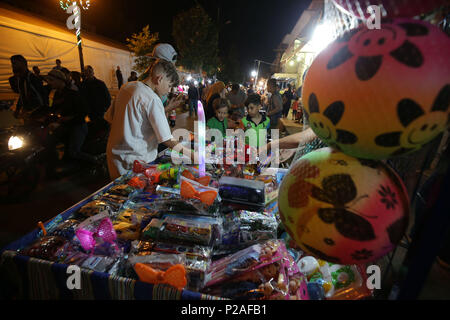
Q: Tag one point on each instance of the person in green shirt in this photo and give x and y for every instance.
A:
(255, 120)
(219, 121)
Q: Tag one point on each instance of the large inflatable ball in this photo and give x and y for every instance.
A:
(388, 8)
(376, 94)
(342, 209)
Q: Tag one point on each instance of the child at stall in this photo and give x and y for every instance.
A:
(220, 120)
(295, 108)
(255, 120)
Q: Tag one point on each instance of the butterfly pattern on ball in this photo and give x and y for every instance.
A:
(417, 123)
(339, 190)
(366, 67)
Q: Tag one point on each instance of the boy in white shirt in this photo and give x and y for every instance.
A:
(138, 121)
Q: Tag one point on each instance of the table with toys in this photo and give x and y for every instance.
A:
(161, 231)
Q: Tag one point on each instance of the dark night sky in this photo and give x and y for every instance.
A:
(257, 27)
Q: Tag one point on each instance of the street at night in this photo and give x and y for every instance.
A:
(248, 151)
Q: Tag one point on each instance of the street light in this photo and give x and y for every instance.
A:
(254, 73)
(322, 36)
(74, 21)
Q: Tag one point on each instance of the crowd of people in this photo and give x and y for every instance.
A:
(77, 98)
(138, 117)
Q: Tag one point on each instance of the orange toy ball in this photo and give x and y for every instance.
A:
(376, 94)
(342, 209)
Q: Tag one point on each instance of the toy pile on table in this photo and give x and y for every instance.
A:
(163, 224)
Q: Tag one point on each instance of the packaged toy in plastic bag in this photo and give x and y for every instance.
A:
(93, 208)
(178, 230)
(66, 229)
(70, 252)
(242, 261)
(161, 269)
(127, 230)
(122, 190)
(256, 227)
(216, 224)
(141, 248)
(142, 197)
(44, 248)
(263, 271)
(193, 252)
(197, 269)
(140, 166)
(97, 235)
(137, 214)
(339, 282)
(171, 203)
(192, 174)
(205, 199)
(100, 263)
(243, 228)
(139, 181)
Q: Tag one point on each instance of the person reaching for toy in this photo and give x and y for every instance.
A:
(304, 141)
(138, 121)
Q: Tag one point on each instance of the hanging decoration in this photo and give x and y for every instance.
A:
(85, 4)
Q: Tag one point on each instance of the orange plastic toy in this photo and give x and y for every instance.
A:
(174, 276)
(202, 180)
(188, 191)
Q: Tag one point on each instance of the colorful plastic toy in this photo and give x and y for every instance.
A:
(341, 209)
(376, 94)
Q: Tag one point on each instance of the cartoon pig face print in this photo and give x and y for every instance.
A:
(373, 46)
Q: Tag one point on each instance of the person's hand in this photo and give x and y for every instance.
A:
(174, 103)
(265, 149)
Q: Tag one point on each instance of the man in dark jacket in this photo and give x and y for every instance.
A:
(193, 96)
(287, 100)
(119, 77)
(32, 95)
(96, 95)
(71, 126)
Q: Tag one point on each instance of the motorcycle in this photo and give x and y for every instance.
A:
(21, 151)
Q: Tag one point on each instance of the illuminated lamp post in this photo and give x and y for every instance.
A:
(74, 21)
(254, 74)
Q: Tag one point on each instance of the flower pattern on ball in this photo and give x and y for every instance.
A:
(388, 197)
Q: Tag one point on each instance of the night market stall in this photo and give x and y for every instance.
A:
(224, 230)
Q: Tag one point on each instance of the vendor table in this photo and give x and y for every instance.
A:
(36, 279)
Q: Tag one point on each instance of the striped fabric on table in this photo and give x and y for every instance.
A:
(121, 288)
(38, 279)
(42, 284)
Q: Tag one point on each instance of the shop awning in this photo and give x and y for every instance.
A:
(303, 29)
(41, 42)
(285, 76)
